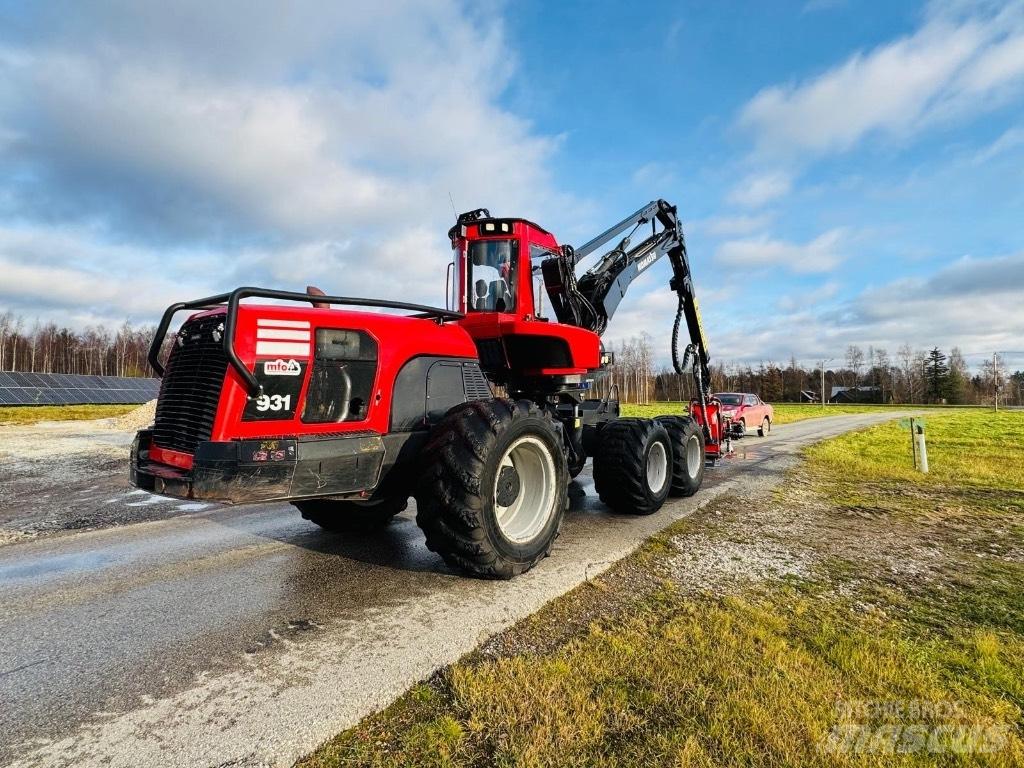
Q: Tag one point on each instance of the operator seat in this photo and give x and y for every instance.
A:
(501, 295)
(481, 296)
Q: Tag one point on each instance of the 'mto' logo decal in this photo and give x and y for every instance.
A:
(282, 368)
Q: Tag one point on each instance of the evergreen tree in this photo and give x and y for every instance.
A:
(937, 374)
(959, 378)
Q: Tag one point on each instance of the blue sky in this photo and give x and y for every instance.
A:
(848, 172)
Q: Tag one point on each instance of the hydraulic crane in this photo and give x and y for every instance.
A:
(591, 301)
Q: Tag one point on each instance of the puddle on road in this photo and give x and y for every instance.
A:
(53, 565)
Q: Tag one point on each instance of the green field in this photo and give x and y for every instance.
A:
(784, 412)
(910, 592)
(31, 414)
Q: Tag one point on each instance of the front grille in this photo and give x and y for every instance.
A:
(191, 386)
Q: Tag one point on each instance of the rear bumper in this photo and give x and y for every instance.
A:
(241, 471)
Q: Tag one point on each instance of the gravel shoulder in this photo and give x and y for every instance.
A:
(65, 476)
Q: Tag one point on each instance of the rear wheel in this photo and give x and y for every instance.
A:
(493, 488)
(632, 466)
(350, 516)
(765, 428)
(687, 453)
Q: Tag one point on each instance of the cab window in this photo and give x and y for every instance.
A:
(491, 279)
(537, 255)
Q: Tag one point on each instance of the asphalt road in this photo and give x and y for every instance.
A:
(246, 636)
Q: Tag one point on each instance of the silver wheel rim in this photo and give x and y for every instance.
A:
(693, 456)
(766, 426)
(657, 467)
(531, 510)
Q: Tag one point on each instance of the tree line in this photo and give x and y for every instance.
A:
(49, 348)
(873, 375)
(908, 376)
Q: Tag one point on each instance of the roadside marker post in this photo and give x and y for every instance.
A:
(918, 446)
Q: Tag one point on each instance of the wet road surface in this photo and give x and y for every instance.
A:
(245, 635)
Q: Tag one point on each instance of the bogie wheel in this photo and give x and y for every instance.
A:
(633, 466)
(351, 516)
(765, 428)
(687, 453)
(493, 487)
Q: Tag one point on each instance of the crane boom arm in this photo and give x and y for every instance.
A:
(591, 300)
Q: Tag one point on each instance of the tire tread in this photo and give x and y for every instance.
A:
(620, 468)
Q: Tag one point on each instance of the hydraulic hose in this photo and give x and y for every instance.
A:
(689, 357)
(680, 367)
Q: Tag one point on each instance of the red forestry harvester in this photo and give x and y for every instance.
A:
(346, 414)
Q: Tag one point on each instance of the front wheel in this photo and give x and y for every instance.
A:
(765, 428)
(351, 516)
(493, 488)
(632, 466)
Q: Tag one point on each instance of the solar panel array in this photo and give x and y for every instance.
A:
(73, 389)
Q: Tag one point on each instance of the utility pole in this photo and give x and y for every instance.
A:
(995, 379)
(823, 363)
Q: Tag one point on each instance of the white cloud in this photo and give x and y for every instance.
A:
(303, 159)
(734, 226)
(75, 277)
(955, 64)
(1010, 139)
(822, 254)
(206, 146)
(652, 312)
(758, 189)
(46, 270)
(940, 309)
(808, 297)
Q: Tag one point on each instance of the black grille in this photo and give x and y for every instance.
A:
(191, 385)
(474, 383)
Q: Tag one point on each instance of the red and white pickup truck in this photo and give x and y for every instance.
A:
(746, 411)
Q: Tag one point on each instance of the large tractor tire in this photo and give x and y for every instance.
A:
(351, 516)
(687, 453)
(493, 488)
(633, 466)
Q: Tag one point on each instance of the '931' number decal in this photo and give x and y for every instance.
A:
(281, 381)
(275, 403)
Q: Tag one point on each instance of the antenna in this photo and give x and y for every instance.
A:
(452, 201)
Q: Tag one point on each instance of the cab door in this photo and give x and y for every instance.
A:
(754, 411)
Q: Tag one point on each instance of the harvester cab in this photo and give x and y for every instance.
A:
(481, 412)
(495, 262)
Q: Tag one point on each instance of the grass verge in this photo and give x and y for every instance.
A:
(32, 414)
(862, 615)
